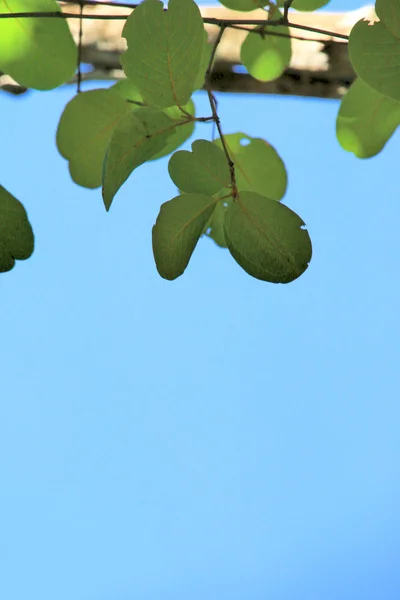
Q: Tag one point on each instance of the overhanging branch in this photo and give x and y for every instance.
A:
(320, 66)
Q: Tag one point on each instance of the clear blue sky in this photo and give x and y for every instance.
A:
(214, 438)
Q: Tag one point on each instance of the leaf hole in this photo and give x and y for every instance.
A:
(244, 142)
(303, 227)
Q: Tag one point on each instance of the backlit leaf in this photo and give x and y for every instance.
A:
(138, 136)
(374, 54)
(366, 120)
(244, 5)
(84, 130)
(204, 170)
(266, 238)
(266, 58)
(179, 225)
(38, 53)
(16, 235)
(258, 166)
(165, 50)
(307, 5)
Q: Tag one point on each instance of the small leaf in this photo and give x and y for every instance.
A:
(84, 130)
(373, 52)
(181, 132)
(179, 225)
(205, 60)
(165, 50)
(129, 92)
(203, 171)
(38, 53)
(266, 58)
(258, 166)
(215, 226)
(138, 136)
(366, 120)
(244, 5)
(307, 5)
(388, 12)
(266, 238)
(16, 235)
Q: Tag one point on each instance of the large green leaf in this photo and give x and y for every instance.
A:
(258, 166)
(137, 137)
(38, 53)
(244, 5)
(84, 130)
(165, 50)
(16, 235)
(205, 60)
(267, 239)
(366, 120)
(374, 53)
(267, 57)
(203, 171)
(388, 12)
(179, 225)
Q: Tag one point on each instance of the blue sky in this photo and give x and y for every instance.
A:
(215, 437)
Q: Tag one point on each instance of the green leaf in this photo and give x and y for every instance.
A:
(373, 52)
(366, 120)
(266, 238)
(244, 5)
(165, 50)
(129, 92)
(179, 225)
(181, 132)
(258, 166)
(38, 53)
(215, 226)
(388, 12)
(84, 130)
(205, 59)
(16, 235)
(267, 58)
(127, 89)
(307, 5)
(203, 171)
(138, 136)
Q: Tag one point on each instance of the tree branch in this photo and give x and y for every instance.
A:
(320, 66)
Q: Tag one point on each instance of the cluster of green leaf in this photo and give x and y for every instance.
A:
(229, 189)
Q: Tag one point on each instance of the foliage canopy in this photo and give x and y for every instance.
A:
(230, 188)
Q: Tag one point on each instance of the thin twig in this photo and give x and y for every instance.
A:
(209, 20)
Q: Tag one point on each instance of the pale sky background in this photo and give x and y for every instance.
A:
(214, 438)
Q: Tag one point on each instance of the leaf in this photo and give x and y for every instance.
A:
(374, 54)
(181, 132)
(258, 166)
(266, 238)
(307, 5)
(137, 137)
(129, 91)
(179, 225)
(244, 5)
(366, 120)
(204, 170)
(215, 226)
(164, 51)
(84, 130)
(388, 12)
(267, 58)
(38, 53)
(205, 60)
(16, 235)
